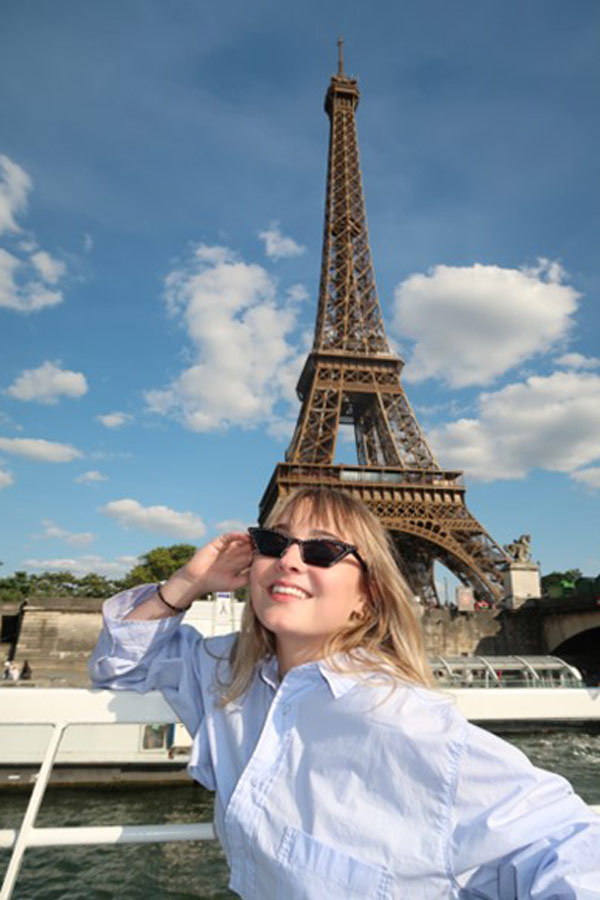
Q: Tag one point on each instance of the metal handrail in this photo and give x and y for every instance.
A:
(24, 706)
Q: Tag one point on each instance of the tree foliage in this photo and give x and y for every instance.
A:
(570, 584)
(158, 564)
(155, 565)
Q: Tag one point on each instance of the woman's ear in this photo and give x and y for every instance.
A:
(362, 610)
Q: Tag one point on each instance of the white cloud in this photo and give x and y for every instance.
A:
(589, 478)
(231, 525)
(6, 479)
(40, 450)
(115, 419)
(20, 287)
(83, 565)
(105, 455)
(131, 514)
(51, 270)
(472, 324)
(281, 429)
(548, 422)
(277, 245)
(47, 383)
(578, 361)
(297, 293)
(88, 243)
(15, 185)
(52, 530)
(243, 361)
(91, 477)
(23, 296)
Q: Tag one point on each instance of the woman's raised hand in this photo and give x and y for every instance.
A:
(221, 565)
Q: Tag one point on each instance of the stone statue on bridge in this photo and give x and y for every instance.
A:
(520, 549)
(522, 576)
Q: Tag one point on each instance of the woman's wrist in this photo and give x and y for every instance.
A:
(180, 590)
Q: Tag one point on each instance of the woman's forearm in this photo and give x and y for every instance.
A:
(221, 565)
(179, 591)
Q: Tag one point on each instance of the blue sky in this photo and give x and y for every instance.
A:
(162, 181)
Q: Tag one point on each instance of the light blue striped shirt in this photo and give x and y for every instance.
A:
(335, 786)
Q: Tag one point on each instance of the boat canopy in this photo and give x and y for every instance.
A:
(504, 671)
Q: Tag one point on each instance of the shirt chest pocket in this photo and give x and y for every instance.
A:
(311, 870)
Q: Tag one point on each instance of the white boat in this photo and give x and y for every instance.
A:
(502, 693)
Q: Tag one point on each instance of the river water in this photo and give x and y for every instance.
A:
(196, 871)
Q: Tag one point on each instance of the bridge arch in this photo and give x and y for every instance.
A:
(577, 641)
(560, 628)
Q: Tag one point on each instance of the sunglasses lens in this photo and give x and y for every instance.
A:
(269, 543)
(321, 553)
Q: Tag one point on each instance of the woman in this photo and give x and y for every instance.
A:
(338, 771)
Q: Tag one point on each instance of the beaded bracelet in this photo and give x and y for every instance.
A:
(177, 609)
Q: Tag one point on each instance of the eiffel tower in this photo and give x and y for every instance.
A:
(351, 377)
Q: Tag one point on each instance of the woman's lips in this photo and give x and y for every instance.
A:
(286, 592)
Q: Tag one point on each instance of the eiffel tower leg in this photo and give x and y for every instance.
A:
(417, 566)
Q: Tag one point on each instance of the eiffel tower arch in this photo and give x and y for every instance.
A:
(351, 377)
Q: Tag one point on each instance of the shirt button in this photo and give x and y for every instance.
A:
(286, 709)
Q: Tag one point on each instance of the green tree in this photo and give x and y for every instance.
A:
(560, 584)
(53, 584)
(158, 564)
(94, 585)
(15, 587)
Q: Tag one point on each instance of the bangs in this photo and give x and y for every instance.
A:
(331, 509)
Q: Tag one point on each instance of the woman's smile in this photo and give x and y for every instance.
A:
(283, 591)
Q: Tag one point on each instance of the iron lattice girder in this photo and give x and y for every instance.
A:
(364, 391)
(349, 316)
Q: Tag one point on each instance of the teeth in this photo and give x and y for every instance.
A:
(292, 591)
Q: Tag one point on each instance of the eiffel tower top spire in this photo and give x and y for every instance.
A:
(340, 44)
(349, 316)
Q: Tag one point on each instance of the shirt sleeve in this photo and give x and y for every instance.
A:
(161, 654)
(519, 832)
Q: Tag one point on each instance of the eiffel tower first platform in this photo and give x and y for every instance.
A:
(351, 377)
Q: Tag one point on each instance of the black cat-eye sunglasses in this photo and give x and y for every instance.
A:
(321, 552)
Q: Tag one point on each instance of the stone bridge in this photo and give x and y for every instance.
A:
(566, 628)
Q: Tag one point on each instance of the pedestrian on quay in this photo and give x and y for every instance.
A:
(13, 671)
(339, 770)
(26, 671)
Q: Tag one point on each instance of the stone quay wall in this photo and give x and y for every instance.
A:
(484, 632)
(57, 636)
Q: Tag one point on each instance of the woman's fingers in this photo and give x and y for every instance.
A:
(220, 564)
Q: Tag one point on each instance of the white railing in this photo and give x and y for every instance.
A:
(61, 708)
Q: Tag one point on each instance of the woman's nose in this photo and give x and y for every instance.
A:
(291, 558)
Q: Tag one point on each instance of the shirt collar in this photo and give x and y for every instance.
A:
(268, 670)
(339, 683)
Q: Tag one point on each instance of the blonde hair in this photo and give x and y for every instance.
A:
(386, 638)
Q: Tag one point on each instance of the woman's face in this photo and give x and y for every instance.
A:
(304, 605)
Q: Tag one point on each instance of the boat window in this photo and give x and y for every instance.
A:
(504, 672)
(154, 737)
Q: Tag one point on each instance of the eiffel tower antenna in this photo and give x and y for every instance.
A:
(340, 44)
(351, 377)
